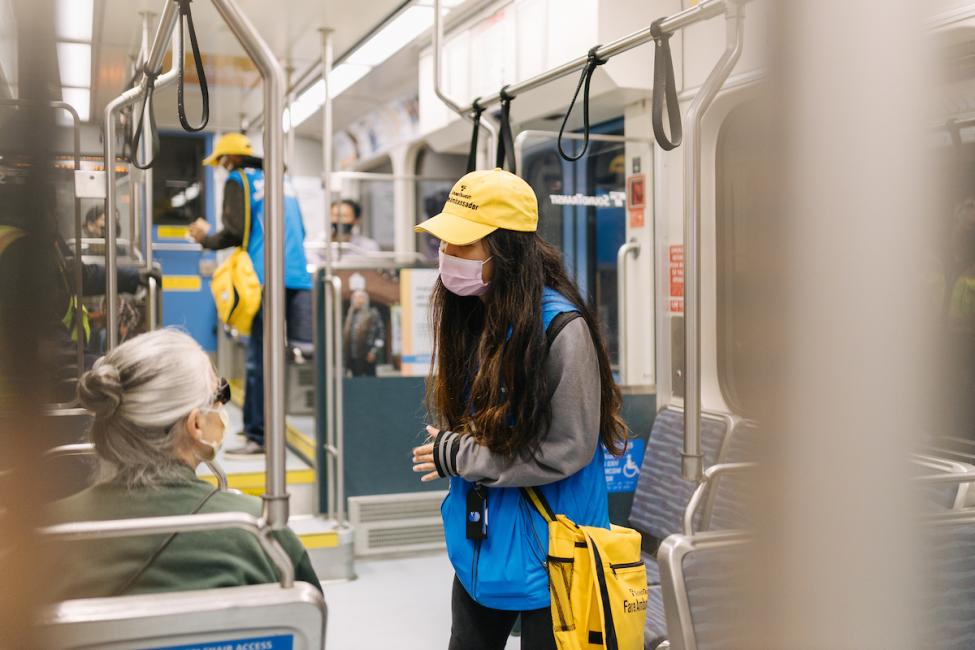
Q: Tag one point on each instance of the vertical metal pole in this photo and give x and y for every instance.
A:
(692, 459)
(339, 407)
(153, 62)
(276, 495)
(290, 155)
(631, 247)
(331, 307)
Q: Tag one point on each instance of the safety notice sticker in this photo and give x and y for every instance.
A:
(677, 279)
(623, 473)
(277, 642)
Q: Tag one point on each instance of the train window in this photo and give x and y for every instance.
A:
(745, 227)
(178, 183)
(431, 195)
(581, 210)
(951, 284)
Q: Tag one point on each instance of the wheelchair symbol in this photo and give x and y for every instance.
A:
(630, 469)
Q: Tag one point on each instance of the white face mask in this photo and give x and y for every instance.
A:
(225, 421)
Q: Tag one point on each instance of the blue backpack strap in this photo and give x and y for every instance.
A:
(557, 312)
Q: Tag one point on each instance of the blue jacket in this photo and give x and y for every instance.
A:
(296, 274)
(507, 569)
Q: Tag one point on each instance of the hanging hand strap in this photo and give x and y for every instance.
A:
(506, 142)
(137, 136)
(587, 72)
(664, 89)
(186, 15)
(538, 500)
(476, 118)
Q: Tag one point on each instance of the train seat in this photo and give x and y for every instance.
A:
(701, 583)
(730, 495)
(655, 631)
(948, 598)
(258, 616)
(662, 494)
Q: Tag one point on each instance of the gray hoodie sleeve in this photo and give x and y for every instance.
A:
(569, 444)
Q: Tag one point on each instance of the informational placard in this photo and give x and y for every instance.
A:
(622, 473)
(676, 279)
(276, 642)
(416, 285)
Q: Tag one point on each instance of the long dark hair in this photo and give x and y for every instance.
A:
(491, 384)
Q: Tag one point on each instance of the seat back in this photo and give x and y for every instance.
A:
(255, 616)
(662, 494)
(729, 499)
(700, 579)
(948, 592)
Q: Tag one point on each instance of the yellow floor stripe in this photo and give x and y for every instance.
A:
(319, 540)
(298, 440)
(248, 481)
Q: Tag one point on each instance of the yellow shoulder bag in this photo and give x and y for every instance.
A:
(235, 286)
(597, 580)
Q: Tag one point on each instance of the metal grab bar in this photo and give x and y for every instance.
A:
(691, 456)
(88, 449)
(631, 247)
(164, 30)
(276, 495)
(707, 479)
(703, 11)
(116, 528)
(339, 401)
(451, 103)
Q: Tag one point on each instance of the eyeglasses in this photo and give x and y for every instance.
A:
(222, 396)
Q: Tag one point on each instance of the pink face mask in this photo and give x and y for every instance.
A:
(463, 277)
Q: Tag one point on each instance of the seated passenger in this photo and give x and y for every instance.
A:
(158, 414)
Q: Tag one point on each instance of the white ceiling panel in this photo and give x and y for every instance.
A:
(291, 28)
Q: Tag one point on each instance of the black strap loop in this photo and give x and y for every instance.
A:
(476, 118)
(665, 89)
(587, 72)
(147, 101)
(186, 15)
(506, 141)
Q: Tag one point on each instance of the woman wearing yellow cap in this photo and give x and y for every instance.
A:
(522, 395)
(243, 225)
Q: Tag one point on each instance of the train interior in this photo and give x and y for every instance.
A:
(678, 251)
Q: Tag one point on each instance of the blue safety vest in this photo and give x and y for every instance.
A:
(507, 569)
(296, 274)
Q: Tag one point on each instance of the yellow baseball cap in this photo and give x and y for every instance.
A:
(231, 144)
(480, 203)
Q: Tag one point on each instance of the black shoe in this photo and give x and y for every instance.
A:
(250, 449)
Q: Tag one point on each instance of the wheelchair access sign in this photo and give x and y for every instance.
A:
(277, 642)
(622, 473)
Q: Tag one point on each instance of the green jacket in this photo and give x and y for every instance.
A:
(204, 560)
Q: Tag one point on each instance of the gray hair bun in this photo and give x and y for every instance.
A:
(100, 390)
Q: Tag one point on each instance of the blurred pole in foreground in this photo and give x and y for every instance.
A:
(840, 551)
(27, 302)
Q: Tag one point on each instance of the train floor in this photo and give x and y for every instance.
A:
(394, 604)
(399, 603)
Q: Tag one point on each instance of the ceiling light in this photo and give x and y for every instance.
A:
(74, 60)
(75, 19)
(343, 76)
(398, 33)
(80, 100)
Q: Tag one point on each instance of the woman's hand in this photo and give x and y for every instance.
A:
(423, 457)
(198, 230)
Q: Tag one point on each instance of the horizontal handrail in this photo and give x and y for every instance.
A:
(116, 528)
(88, 449)
(710, 474)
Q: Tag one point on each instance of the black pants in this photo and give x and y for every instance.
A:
(476, 627)
(298, 317)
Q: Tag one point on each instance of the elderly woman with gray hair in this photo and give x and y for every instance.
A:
(159, 413)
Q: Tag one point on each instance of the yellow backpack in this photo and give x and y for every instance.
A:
(597, 580)
(235, 286)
